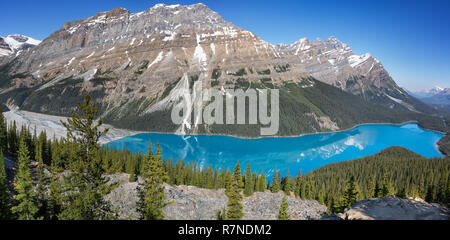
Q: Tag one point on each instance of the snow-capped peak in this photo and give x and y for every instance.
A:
(17, 43)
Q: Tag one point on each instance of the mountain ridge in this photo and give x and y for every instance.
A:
(141, 61)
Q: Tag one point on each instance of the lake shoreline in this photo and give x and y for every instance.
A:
(123, 132)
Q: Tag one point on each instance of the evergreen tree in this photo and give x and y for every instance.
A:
(3, 133)
(282, 214)
(221, 214)
(262, 182)
(85, 184)
(41, 190)
(151, 192)
(13, 140)
(287, 185)
(350, 195)
(235, 207)
(5, 213)
(248, 186)
(54, 196)
(25, 207)
(276, 185)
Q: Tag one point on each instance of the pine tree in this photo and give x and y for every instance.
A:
(13, 140)
(276, 185)
(248, 186)
(282, 214)
(221, 214)
(228, 181)
(54, 196)
(350, 195)
(235, 207)
(387, 188)
(262, 182)
(287, 185)
(25, 207)
(5, 211)
(85, 182)
(3, 133)
(41, 190)
(151, 192)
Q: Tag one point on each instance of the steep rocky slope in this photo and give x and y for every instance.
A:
(137, 66)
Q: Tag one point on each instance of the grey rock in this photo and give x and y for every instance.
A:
(192, 203)
(394, 208)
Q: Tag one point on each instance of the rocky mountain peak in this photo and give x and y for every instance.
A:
(15, 44)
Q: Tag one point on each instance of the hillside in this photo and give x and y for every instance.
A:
(405, 173)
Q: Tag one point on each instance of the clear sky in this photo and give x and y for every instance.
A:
(411, 38)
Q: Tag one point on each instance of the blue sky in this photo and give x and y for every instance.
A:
(411, 38)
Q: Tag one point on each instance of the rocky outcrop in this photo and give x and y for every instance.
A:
(394, 208)
(192, 203)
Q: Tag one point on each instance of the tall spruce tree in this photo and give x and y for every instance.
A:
(151, 192)
(235, 207)
(282, 214)
(262, 182)
(3, 132)
(276, 184)
(5, 211)
(248, 186)
(25, 207)
(85, 184)
(350, 195)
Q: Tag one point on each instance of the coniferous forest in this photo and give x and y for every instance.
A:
(66, 179)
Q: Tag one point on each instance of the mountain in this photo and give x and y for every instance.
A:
(437, 97)
(427, 92)
(15, 44)
(136, 66)
(334, 62)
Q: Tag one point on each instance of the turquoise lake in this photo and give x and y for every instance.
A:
(303, 153)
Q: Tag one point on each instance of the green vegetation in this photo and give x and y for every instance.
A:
(85, 181)
(394, 171)
(5, 211)
(264, 72)
(192, 80)
(216, 73)
(142, 68)
(215, 83)
(239, 73)
(151, 193)
(169, 87)
(283, 215)
(282, 68)
(235, 207)
(25, 207)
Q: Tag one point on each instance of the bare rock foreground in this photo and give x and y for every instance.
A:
(192, 203)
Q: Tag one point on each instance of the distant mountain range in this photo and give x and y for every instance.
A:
(437, 97)
(134, 66)
(16, 44)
